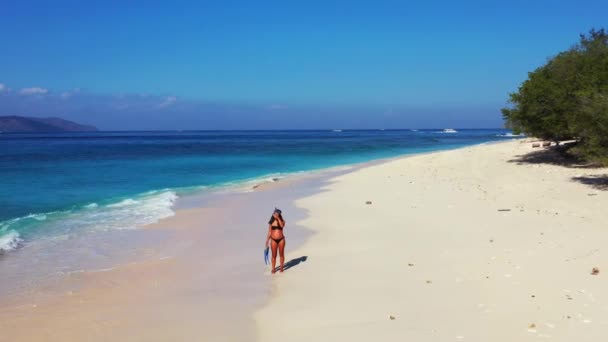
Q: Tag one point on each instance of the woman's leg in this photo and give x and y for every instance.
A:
(273, 247)
(282, 252)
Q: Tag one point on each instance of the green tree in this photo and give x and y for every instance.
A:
(567, 98)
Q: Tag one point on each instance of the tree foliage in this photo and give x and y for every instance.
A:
(567, 98)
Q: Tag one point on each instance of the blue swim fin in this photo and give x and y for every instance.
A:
(266, 259)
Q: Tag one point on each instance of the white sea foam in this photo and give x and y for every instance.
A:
(130, 213)
(37, 217)
(124, 203)
(9, 241)
(510, 135)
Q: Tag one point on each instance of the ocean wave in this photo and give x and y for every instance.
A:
(130, 213)
(510, 135)
(27, 220)
(124, 203)
(37, 217)
(9, 241)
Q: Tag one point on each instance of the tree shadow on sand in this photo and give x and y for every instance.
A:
(292, 263)
(598, 182)
(556, 156)
(553, 156)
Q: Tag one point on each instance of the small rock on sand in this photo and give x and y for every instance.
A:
(368, 202)
(391, 317)
(595, 271)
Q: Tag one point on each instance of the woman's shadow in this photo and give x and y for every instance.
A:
(292, 263)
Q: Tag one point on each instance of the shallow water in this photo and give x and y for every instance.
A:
(72, 183)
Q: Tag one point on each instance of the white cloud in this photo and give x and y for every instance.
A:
(169, 100)
(34, 91)
(2, 88)
(67, 94)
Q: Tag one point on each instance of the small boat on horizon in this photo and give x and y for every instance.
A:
(336, 130)
(449, 130)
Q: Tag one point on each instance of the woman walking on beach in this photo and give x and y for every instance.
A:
(275, 233)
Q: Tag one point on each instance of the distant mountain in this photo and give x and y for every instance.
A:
(15, 123)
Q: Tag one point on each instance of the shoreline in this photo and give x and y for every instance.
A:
(14, 240)
(192, 245)
(80, 283)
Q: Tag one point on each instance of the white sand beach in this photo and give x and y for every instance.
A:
(473, 244)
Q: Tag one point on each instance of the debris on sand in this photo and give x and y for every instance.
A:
(429, 281)
(504, 209)
(410, 265)
(532, 326)
(595, 271)
(391, 317)
(368, 202)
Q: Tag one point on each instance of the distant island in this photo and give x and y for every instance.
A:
(15, 123)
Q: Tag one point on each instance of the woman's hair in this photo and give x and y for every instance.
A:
(272, 216)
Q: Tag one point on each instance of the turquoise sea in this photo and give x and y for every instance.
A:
(66, 184)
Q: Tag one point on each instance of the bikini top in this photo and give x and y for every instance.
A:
(276, 227)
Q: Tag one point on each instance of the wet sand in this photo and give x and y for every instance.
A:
(206, 280)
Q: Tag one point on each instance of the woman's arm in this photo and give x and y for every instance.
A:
(281, 222)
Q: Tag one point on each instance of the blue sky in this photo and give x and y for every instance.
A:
(278, 64)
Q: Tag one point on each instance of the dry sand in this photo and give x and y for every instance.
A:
(475, 244)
